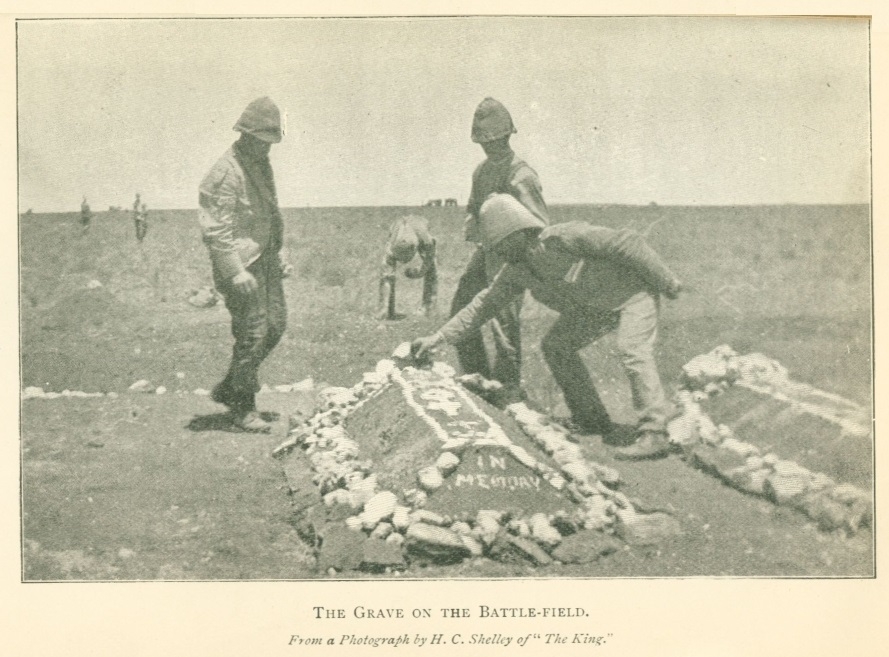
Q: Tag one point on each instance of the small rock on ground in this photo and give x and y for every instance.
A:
(435, 544)
(341, 548)
(648, 529)
(512, 549)
(379, 555)
(586, 546)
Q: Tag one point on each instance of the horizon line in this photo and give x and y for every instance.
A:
(127, 210)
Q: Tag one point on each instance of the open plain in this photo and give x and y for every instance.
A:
(158, 486)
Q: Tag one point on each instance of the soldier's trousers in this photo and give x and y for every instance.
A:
(635, 324)
(506, 331)
(258, 322)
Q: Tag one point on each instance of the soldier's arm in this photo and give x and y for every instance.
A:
(217, 205)
(527, 189)
(470, 222)
(506, 286)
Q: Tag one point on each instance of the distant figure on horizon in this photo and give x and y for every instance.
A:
(408, 237)
(140, 217)
(243, 230)
(86, 215)
(502, 172)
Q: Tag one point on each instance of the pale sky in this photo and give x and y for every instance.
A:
(608, 110)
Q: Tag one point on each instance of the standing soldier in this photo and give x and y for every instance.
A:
(86, 215)
(503, 172)
(408, 237)
(599, 280)
(243, 230)
(141, 220)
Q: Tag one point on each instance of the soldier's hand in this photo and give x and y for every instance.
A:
(286, 270)
(245, 283)
(673, 289)
(423, 346)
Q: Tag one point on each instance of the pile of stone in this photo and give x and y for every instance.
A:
(205, 297)
(36, 392)
(715, 448)
(450, 482)
(147, 387)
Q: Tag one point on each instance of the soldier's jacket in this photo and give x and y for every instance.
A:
(575, 267)
(238, 212)
(510, 175)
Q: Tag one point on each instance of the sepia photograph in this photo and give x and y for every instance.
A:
(445, 298)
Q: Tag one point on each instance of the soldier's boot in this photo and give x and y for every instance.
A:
(649, 445)
(222, 394)
(251, 422)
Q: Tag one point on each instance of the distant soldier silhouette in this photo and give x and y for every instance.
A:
(86, 215)
(140, 217)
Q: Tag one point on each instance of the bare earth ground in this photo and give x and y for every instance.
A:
(157, 487)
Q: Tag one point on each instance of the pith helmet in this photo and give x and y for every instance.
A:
(502, 215)
(491, 121)
(262, 119)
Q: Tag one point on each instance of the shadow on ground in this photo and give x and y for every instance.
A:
(223, 422)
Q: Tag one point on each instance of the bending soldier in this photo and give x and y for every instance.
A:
(599, 280)
(409, 237)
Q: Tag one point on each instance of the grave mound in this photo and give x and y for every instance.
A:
(746, 421)
(418, 469)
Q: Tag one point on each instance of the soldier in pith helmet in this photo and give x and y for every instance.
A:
(243, 231)
(502, 172)
(599, 280)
